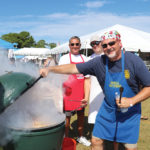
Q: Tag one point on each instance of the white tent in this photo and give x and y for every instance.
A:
(33, 52)
(60, 49)
(132, 39)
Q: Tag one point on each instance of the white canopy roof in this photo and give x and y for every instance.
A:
(132, 39)
(33, 52)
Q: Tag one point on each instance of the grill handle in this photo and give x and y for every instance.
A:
(30, 85)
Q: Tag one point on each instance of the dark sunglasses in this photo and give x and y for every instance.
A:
(72, 44)
(94, 43)
(110, 44)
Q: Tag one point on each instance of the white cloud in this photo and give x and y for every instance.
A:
(56, 16)
(144, 0)
(60, 27)
(87, 23)
(94, 4)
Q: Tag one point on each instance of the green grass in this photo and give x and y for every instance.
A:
(144, 138)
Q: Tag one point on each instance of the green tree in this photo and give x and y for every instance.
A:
(11, 37)
(24, 39)
(52, 45)
(41, 44)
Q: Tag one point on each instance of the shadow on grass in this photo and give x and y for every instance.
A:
(88, 128)
(73, 133)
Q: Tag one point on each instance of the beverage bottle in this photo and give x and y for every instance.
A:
(123, 110)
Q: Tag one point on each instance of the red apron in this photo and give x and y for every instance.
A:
(73, 90)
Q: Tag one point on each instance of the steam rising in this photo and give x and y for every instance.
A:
(39, 107)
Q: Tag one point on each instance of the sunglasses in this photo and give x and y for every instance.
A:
(74, 44)
(94, 43)
(110, 44)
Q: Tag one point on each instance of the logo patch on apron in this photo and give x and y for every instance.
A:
(127, 74)
(114, 84)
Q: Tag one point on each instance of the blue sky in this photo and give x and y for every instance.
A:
(58, 20)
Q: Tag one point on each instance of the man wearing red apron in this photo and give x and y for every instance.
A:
(73, 90)
(76, 88)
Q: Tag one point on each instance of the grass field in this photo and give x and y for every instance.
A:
(144, 138)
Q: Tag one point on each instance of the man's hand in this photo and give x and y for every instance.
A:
(44, 72)
(125, 102)
(84, 102)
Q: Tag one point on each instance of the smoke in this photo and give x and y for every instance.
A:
(39, 107)
(16, 66)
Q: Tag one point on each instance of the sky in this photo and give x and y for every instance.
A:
(55, 21)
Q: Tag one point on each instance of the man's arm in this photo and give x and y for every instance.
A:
(61, 69)
(141, 96)
(87, 85)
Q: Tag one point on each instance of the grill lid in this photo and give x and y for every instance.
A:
(11, 86)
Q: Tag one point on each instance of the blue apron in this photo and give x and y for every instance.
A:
(111, 124)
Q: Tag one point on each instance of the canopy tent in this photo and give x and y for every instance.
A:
(37, 58)
(60, 49)
(132, 40)
(5, 45)
(33, 52)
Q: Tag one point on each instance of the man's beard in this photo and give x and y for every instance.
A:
(112, 55)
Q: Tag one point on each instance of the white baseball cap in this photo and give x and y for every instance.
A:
(94, 38)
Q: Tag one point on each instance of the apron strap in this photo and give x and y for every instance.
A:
(122, 61)
(71, 59)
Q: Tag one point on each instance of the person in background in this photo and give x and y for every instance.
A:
(96, 93)
(12, 61)
(49, 61)
(117, 72)
(76, 89)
